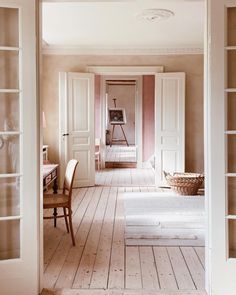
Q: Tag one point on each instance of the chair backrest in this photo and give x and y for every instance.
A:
(69, 176)
(97, 142)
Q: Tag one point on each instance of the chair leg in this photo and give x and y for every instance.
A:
(98, 164)
(66, 221)
(71, 226)
(55, 217)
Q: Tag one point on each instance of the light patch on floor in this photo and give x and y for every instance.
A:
(121, 153)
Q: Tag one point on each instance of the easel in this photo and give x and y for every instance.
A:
(113, 129)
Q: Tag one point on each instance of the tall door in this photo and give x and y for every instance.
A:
(77, 127)
(221, 145)
(19, 177)
(169, 124)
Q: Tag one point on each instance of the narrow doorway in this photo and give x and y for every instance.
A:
(120, 135)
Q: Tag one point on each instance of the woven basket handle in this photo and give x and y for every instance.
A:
(166, 173)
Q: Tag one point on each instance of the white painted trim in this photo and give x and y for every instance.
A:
(125, 70)
(138, 116)
(77, 50)
(58, 1)
(63, 125)
(208, 269)
(139, 121)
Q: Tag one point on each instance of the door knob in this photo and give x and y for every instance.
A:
(65, 134)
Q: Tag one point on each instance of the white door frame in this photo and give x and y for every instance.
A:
(136, 73)
(207, 133)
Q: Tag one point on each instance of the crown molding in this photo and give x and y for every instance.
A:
(65, 50)
(125, 70)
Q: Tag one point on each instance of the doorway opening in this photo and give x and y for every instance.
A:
(97, 207)
(121, 98)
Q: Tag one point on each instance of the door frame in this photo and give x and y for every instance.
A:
(207, 134)
(127, 72)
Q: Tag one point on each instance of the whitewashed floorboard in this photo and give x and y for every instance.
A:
(148, 268)
(100, 263)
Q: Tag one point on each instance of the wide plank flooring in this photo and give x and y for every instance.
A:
(125, 177)
(100, 263)
(120, 153)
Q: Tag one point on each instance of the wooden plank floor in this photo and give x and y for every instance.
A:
(100, 260)
(125, 177)
(120, 153)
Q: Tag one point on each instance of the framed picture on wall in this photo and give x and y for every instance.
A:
(117, 116)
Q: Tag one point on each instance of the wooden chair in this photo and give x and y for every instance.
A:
(98, 152)
(63, 200)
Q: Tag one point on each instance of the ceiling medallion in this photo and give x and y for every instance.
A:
(155, 14)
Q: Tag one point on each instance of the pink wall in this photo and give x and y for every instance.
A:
(148, 116)
(97, 106)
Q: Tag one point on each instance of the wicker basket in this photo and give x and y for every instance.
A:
(185, 183)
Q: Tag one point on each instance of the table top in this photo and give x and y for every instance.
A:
(48, 168)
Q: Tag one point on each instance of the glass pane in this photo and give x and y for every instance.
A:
(231, 184)
(9, 69)
(231, 153)
(231, 106)
(9, 154)
(9, 197)
(10, 239)
(9, 112)
(9, 28)
(232, 238)
(231, 26)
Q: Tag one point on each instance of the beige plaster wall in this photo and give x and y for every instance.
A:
(192, 65)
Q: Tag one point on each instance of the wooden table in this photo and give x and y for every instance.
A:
(50, 176)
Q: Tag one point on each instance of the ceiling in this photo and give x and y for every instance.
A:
(96, 25)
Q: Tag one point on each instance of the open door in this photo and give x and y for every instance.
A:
(221, 145)
(19, 152)
(169, 124)
(77, 126)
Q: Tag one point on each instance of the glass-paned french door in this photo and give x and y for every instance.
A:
(19, 176)
(10, 133)
(221, 142)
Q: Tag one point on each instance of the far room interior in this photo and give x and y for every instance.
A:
(150, 63)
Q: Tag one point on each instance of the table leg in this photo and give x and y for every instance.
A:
(55, 188)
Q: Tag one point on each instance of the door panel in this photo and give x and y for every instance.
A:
(19, 169)
(170, 124)
(77, 113)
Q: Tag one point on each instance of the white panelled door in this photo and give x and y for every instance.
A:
(77, 131)
(169, 124)
(19, 150)
(220, 149)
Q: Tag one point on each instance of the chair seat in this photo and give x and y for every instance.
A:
(55, 200)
